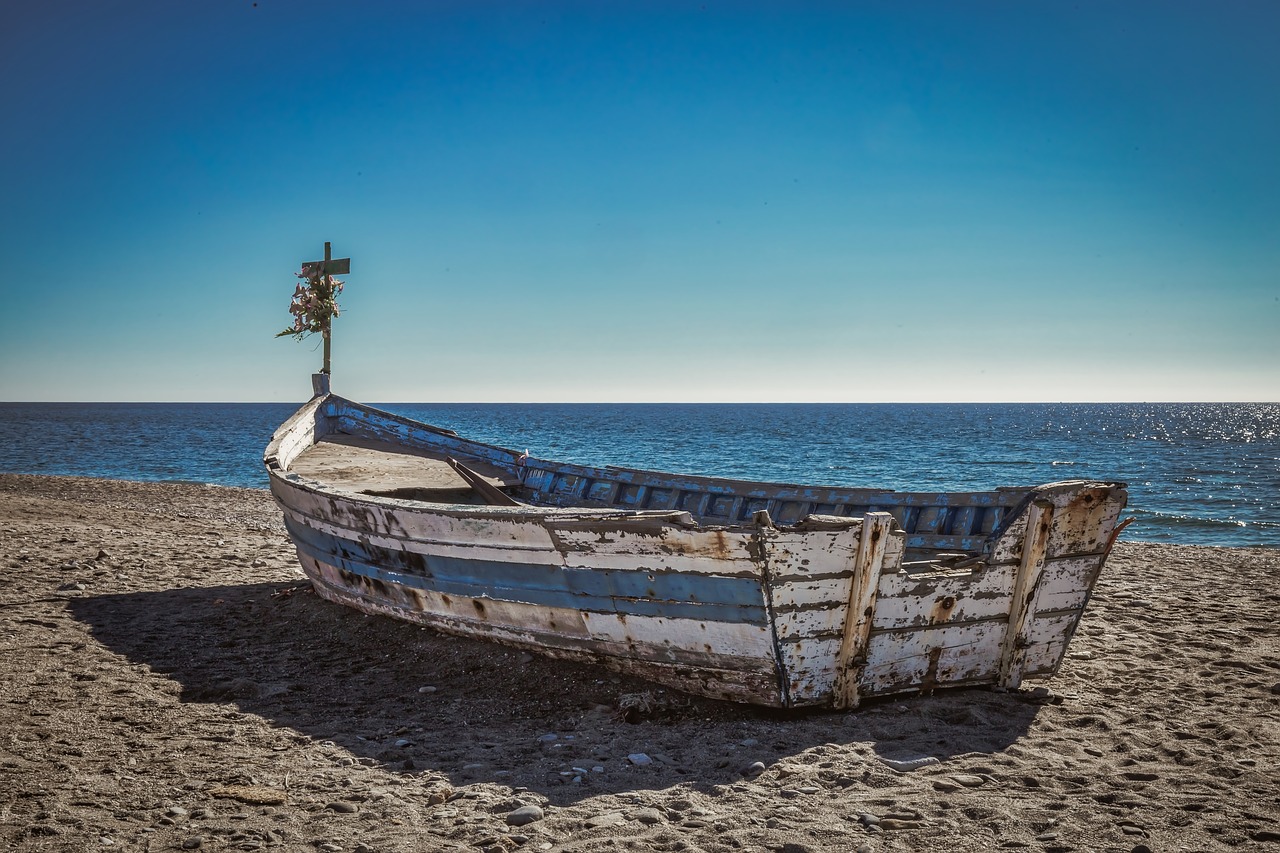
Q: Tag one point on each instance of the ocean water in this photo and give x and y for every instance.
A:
(1205, 474)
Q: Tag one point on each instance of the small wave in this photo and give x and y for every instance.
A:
(1173, 519)
(1002, 462)
(1057, 462)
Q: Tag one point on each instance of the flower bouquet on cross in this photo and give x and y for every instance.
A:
(315, 301)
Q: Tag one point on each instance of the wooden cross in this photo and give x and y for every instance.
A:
(330, 266)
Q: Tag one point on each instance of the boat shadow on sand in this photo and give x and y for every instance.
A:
(414, 702)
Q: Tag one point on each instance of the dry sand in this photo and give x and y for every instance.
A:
(168, 681)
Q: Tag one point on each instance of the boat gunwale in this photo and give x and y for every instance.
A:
(524, 512)
(681, 518)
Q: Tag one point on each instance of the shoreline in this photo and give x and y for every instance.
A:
(171, 682)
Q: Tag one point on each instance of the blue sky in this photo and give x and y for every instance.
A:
(718, 201)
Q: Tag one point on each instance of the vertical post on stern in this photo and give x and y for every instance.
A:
(328, 285)
(868, 563)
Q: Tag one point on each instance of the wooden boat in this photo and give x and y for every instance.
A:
(773, 594)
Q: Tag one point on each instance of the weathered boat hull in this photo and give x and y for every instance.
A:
(820, 611)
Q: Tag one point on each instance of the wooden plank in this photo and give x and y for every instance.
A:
(920, 599)
(331, 266)
(1086, 513)
(861, 608)
(822, 621)
(1066, 583)
(295, 435)
(387, 521)
(655, 547)
(492, 495)
(1013, 650)
(1047, 641)
(742, 668)
(966, 653)
(1083, 521)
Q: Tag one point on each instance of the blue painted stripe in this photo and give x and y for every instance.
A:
(631, 593)
(940, 542)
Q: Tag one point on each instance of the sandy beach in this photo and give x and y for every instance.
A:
(170, 682)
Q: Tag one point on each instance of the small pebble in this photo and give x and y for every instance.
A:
(650, 817)
(753, 769)
(427, 689)
(906, 765)
(607, 819)
(341, 807)
(639, 759)
(525, 815)
(968, 780)
(195, 842)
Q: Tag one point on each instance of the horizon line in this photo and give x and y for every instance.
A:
(661, 402)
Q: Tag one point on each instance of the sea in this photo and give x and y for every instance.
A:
(1198, 473)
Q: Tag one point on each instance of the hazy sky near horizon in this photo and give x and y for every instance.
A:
(614, 201)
